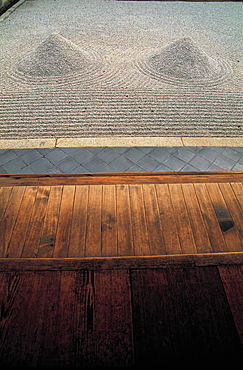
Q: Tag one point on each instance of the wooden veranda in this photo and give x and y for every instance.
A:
(120, 269)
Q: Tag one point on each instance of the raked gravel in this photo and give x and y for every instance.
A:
(96, 68)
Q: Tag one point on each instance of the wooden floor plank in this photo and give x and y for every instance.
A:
(16, 242)
(171, 237)
(181, 314)
(30, 248)
(93, 234)
(238, 190)
(227, 225)
(9, 218)
(200, 233)
(210, 219)
(24, 316)
(112, 336)
(121, 178)
(124, 221)
(64, 222)
(109, 221)
(65, 354)
(155, 231)
(4, 199)
(47, 353)
(48, 235)
(234, 208)
(182, 219)
(121, 263)
(140, 229)
(79, 222)
(120, 318)
(232, 278)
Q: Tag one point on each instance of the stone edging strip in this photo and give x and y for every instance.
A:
(119, 142)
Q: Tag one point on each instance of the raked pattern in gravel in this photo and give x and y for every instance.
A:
(107, 68)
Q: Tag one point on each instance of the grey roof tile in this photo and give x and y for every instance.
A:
(224, 163)
(56, 155)
(42, 165)
(67, 164)
(96, 165)
(134, 154)
(108, 155)
(31, 156)
(7, 156)
(160, 154)
(121, 164)
(184, 154)
(14, 166)
(148, 163)
(200, 163)
(174, 163)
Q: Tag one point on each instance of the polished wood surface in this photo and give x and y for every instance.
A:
(121, 270)
(120, 215)
(125, 318)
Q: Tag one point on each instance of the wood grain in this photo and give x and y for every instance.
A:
(155, 230)
(4, 199)
(93, 234)
(21, 226)
(168, 221)
(109, 221)
(124, 222)
(112, 320)
(64, 222)
(238, 190)
(232, 278)
(121, 263)
(79, 222)
(48, 235)
(139, 224)
(182, 303)
(227, 225)
(210, 219)
(142, 219)
(120, 318)
(23, 319)
(182, 219)
(235, 211)
(197, 223)
(8, 219)
(122, 178)
(34, 230)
